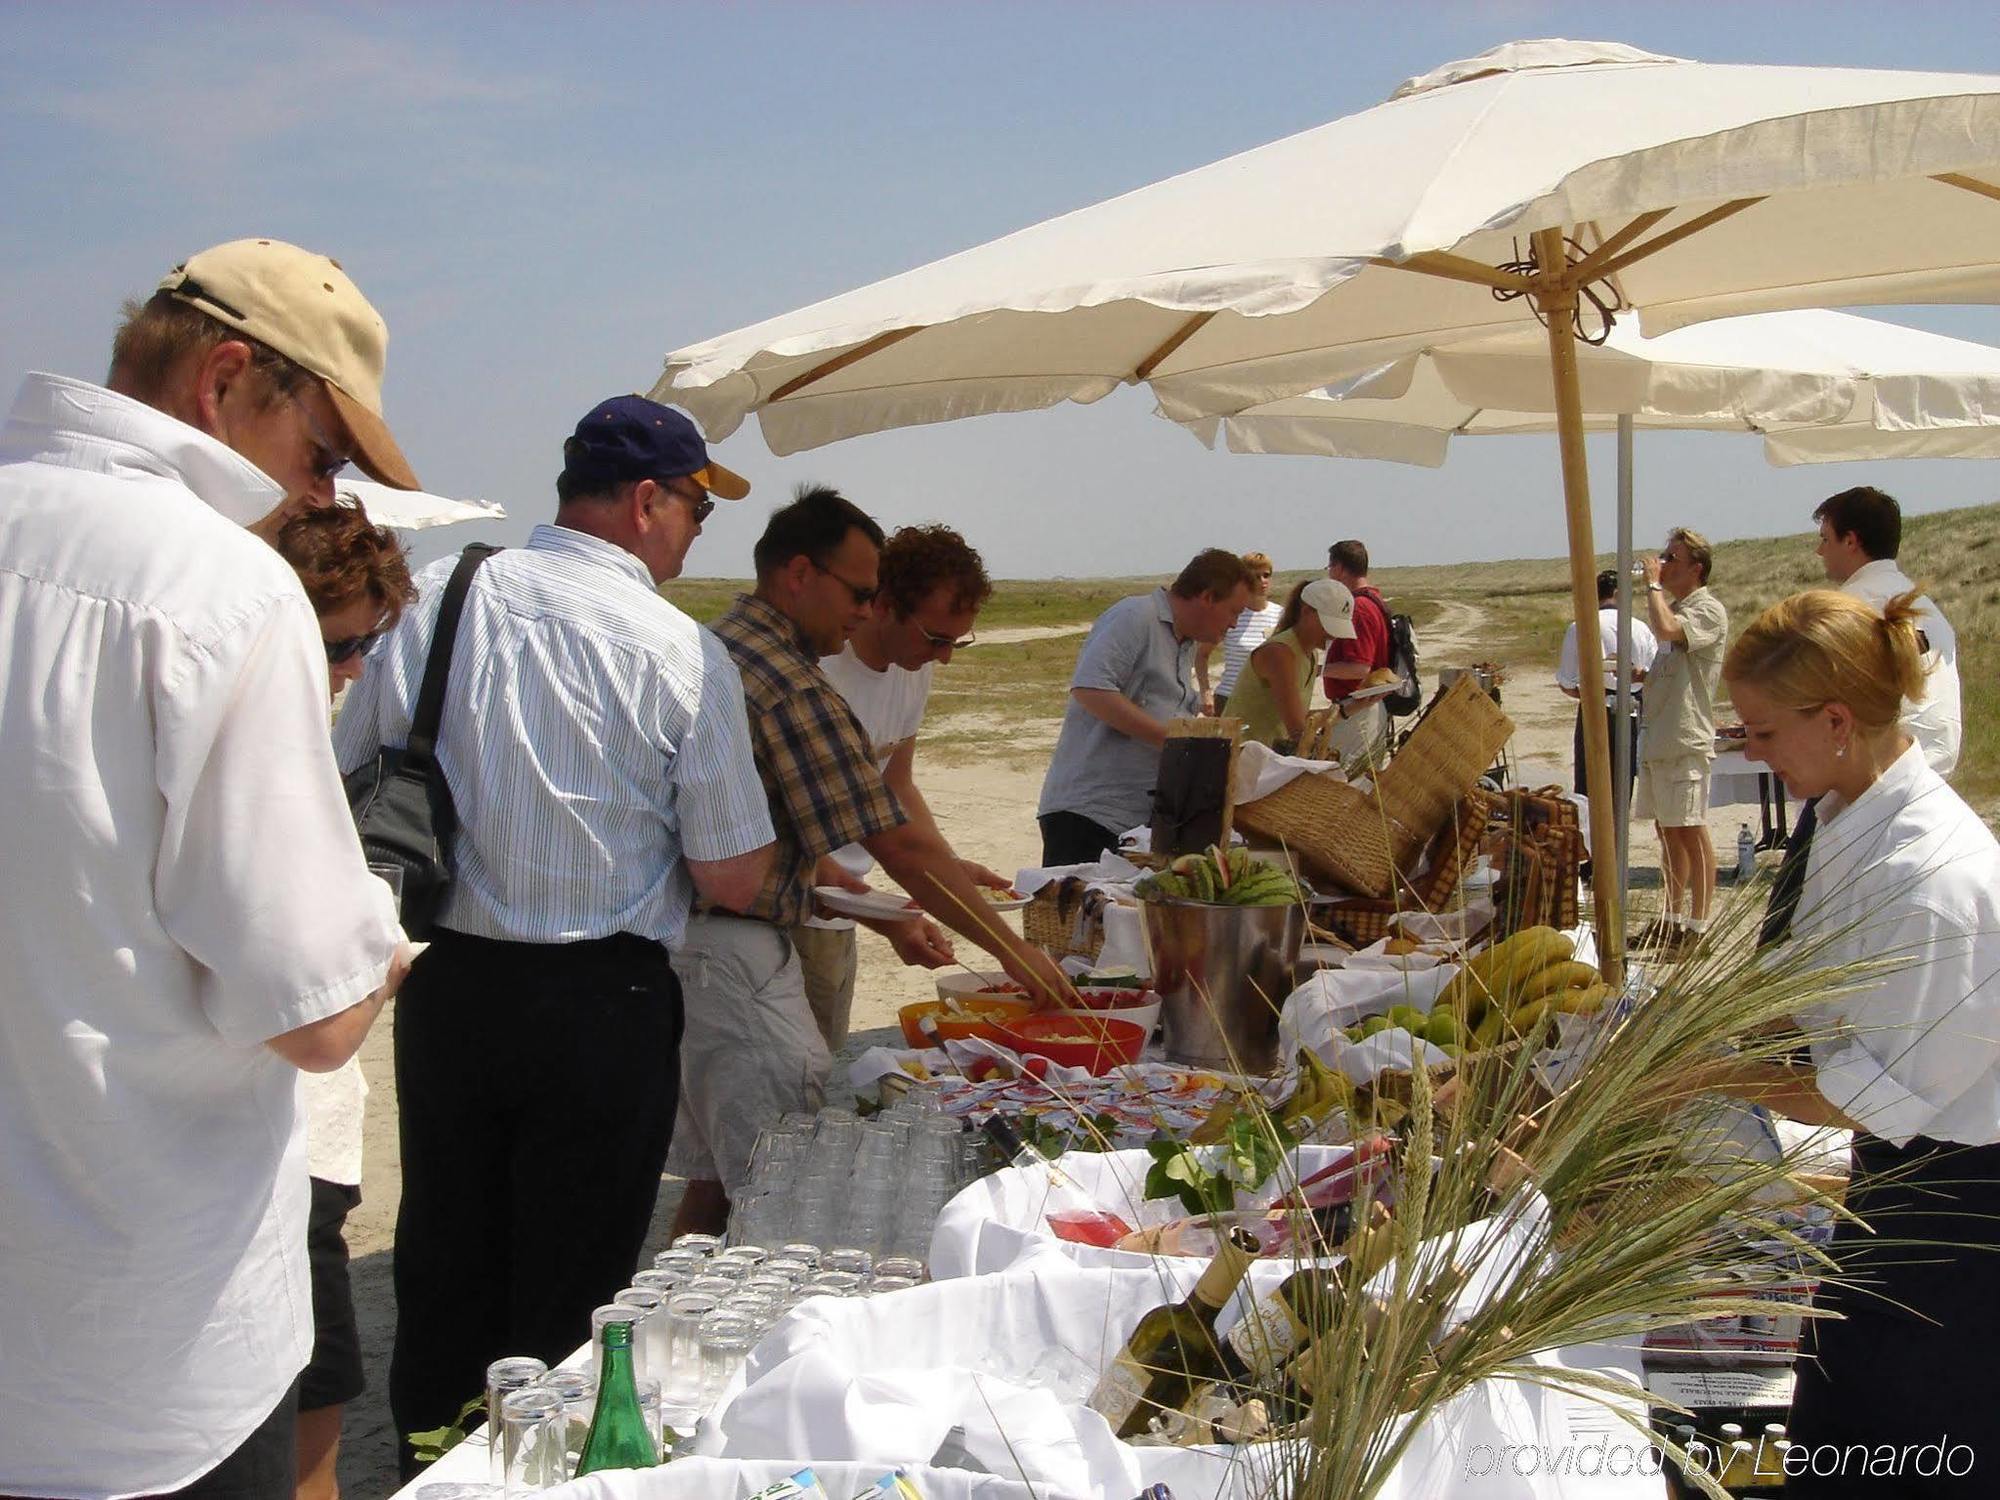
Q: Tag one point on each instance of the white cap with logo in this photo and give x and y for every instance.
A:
(1334, 604)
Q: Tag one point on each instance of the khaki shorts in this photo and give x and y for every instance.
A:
(828, 956)
(1673, 792)
(751, 1052)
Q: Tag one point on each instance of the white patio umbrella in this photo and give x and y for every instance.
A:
(1540, 180)
(415, 510)
(1819, 386)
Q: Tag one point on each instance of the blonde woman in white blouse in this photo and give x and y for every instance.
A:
(1899, 868)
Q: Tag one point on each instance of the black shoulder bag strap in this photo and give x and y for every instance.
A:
(421, 746)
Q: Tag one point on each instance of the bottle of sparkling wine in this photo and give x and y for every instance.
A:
(1174, 1349)
(620, 1437)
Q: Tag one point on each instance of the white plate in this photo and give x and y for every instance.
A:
(1012, 903)
(879, 906)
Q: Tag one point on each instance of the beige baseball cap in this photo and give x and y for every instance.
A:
(305, 307)
(1334, 604)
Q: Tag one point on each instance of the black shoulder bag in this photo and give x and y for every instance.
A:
(401, 804)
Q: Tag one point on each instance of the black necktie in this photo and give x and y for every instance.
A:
(1791, 881)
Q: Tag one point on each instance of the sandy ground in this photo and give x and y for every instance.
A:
(987, 811)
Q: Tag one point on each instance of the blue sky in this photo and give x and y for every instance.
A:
(543, 199)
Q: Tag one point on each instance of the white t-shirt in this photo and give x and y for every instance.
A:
(1907, 875)
(182, 883)
(1253, 627)
(1937, 723)
(890, 705)
(1644, 648)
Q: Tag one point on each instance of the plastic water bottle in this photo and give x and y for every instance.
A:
(1746, 854)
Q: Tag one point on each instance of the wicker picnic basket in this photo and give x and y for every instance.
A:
(1545, 850)
(1361, 921)
(1062, 924)
(1361, 840)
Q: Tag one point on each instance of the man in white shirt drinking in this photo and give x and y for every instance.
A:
(186, 918)
(1860, 533)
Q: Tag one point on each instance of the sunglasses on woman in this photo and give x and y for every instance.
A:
(355, 645)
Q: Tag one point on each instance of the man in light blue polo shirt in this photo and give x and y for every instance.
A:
(1134, 674)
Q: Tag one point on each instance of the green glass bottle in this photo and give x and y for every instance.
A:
(1174, 1349)
(619, 1437)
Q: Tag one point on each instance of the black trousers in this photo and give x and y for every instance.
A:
(1908, 1367)
(1072, 839)
(536, 1087)
(1631, 768)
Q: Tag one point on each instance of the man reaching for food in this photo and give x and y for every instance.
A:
(929, 587)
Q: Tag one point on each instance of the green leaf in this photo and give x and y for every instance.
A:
(431, 1446)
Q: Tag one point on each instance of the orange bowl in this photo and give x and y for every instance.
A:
(1113, 1000)
(1096, 1044)
(983, 1016)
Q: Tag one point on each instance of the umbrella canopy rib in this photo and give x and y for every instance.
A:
(1970, 184)
(840, 362)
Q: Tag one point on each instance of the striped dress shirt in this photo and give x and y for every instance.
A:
(812, 753)
(593, 735)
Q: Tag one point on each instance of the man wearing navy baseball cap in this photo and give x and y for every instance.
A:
(595, 742)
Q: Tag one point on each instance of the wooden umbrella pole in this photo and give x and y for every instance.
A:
(1555, 297)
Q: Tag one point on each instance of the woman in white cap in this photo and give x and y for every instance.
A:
(1274, 690)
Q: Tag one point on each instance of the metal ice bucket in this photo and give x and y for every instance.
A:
(1222, 974)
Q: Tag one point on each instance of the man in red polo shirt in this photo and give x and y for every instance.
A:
(1363, 726)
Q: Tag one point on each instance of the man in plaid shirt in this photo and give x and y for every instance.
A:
(752, 1051)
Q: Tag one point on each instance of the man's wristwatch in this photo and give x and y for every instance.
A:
(1653, 588)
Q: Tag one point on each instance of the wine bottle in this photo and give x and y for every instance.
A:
(620, 1437)
(1174, 1349)
(1278, 1324)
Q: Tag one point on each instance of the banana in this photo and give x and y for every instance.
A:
(1564, 974)
(1528, 1016)
(1586, 1000)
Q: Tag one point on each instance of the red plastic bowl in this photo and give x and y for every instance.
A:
(1096, 1044)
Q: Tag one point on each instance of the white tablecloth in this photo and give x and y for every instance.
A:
(1734, 780)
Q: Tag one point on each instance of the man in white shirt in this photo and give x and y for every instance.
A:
(1860, 533)
(186, 918)
(930, 585)
(595, 743)
(1569, 674)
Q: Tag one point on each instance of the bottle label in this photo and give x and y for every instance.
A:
(1266, 1336)
(1120, 1390)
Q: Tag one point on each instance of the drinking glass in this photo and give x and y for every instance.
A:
(790, 1267)
(533, 1433)
(515, 1373)
(681, 1380)
(649, 1335)
(651, 1404)
(657, 1281)
(859, 1262)
(881, 1284)
(751, 1255)
(801, 1251)
(390, 875)
(683, 1263)
(719, 1287)
(726, 1341)
(703, 1245)
(578, 1389)
(900, 1265)
(777, 1288)
(718, 1269)
(835, 1284)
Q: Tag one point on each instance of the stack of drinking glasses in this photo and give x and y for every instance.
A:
(834, 1179)
(537, 1418)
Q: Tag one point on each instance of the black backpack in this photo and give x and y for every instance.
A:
(1402, 660)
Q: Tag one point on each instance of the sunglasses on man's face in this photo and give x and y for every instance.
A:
(355, 645)
(704, 505)
(939, 642)
(327, 459)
